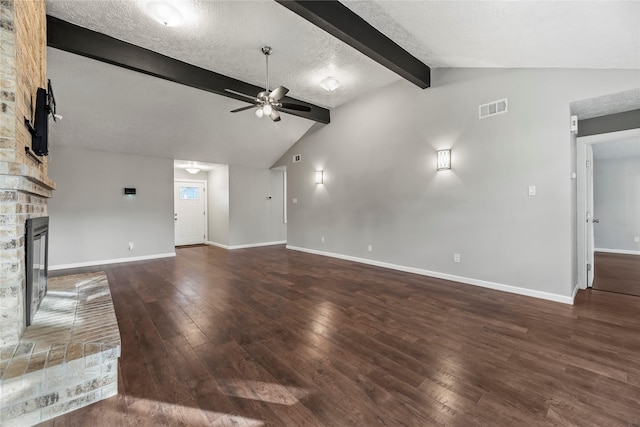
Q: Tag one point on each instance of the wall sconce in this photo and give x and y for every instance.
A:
(319, 177)
(444, 159)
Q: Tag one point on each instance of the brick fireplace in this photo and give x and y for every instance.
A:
(24, 182)
(68, 356)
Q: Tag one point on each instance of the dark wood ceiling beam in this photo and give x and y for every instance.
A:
(339, 21)
(66, 36)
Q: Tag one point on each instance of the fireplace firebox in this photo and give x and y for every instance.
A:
(37, 264)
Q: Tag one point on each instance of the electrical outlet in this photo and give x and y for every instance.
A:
(130, 246)
(322, 239)
(636, 239)
(532, 190)
(456, 257)
(370, 248)
(294, 201)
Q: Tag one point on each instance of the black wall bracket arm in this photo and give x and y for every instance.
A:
(30, 127)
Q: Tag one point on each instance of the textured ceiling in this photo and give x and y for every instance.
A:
(511, 34)
(109, 108)
(113, 109)
(226, 37)
(607, 104)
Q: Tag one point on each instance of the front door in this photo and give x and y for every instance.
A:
(190, 213)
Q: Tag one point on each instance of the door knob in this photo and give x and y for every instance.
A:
(596, 221)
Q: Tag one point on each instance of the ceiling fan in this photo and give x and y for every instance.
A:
(268, 102)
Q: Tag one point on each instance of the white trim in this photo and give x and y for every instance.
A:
(204, 183)
(220, 245)
(445, 276)
(110, 261)
(606, 137)
(617, 251)
(249, 245)
(576, 288)
(190, 180)
(583, 255)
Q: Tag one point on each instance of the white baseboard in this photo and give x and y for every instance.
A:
(576, 288)
(617, 251)
(469, 281)
(220, 245)
(250, 245)
(110, 261)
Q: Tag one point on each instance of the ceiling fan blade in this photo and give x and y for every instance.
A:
(275, 116)
(252, 98)
(243, 108)
(278, 93)
(297, 107)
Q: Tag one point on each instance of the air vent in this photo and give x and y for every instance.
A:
(493, 108)
(297, 158)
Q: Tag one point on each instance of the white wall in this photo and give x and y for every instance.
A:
(616, 203)
(91, 220)
(183, 174)
(254, 218)
(382, 189)
(219, 205)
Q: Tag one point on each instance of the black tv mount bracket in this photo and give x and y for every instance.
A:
(29, 126)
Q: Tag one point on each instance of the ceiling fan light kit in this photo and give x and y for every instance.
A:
(268, 102)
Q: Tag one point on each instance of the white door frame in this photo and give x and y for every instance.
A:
(585, 193)
(206, 203)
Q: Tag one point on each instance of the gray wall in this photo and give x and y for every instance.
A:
(253, 217)
(616, 203)
(219, 205)
(90, 217)
(382, 189)
(610, 123)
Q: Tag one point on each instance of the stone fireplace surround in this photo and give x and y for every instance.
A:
(67, 358)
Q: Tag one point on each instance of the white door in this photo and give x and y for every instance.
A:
(190, 212)
(590, 220)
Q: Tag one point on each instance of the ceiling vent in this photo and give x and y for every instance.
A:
(493, 108)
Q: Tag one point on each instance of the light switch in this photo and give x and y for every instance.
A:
(532, 190)
(294, 201)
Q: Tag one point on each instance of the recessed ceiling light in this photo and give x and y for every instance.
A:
(165, 13)
(330, 84)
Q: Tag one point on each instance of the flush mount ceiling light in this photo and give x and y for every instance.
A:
(192, 171)
(330, 84)
(444, 159)
(165, 13)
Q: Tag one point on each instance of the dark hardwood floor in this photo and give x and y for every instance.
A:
(274, 337)
(617, 273)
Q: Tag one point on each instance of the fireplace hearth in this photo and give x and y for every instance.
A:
(37, 264)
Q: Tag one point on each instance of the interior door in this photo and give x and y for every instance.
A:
(590, 217)
(190, 213)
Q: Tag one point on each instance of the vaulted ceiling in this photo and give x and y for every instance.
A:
(115, 109)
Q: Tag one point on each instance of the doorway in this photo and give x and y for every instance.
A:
(609, 211)
(190, 212)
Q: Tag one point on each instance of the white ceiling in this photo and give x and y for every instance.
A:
(109, 108)
(511, 34)
(113, 109)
